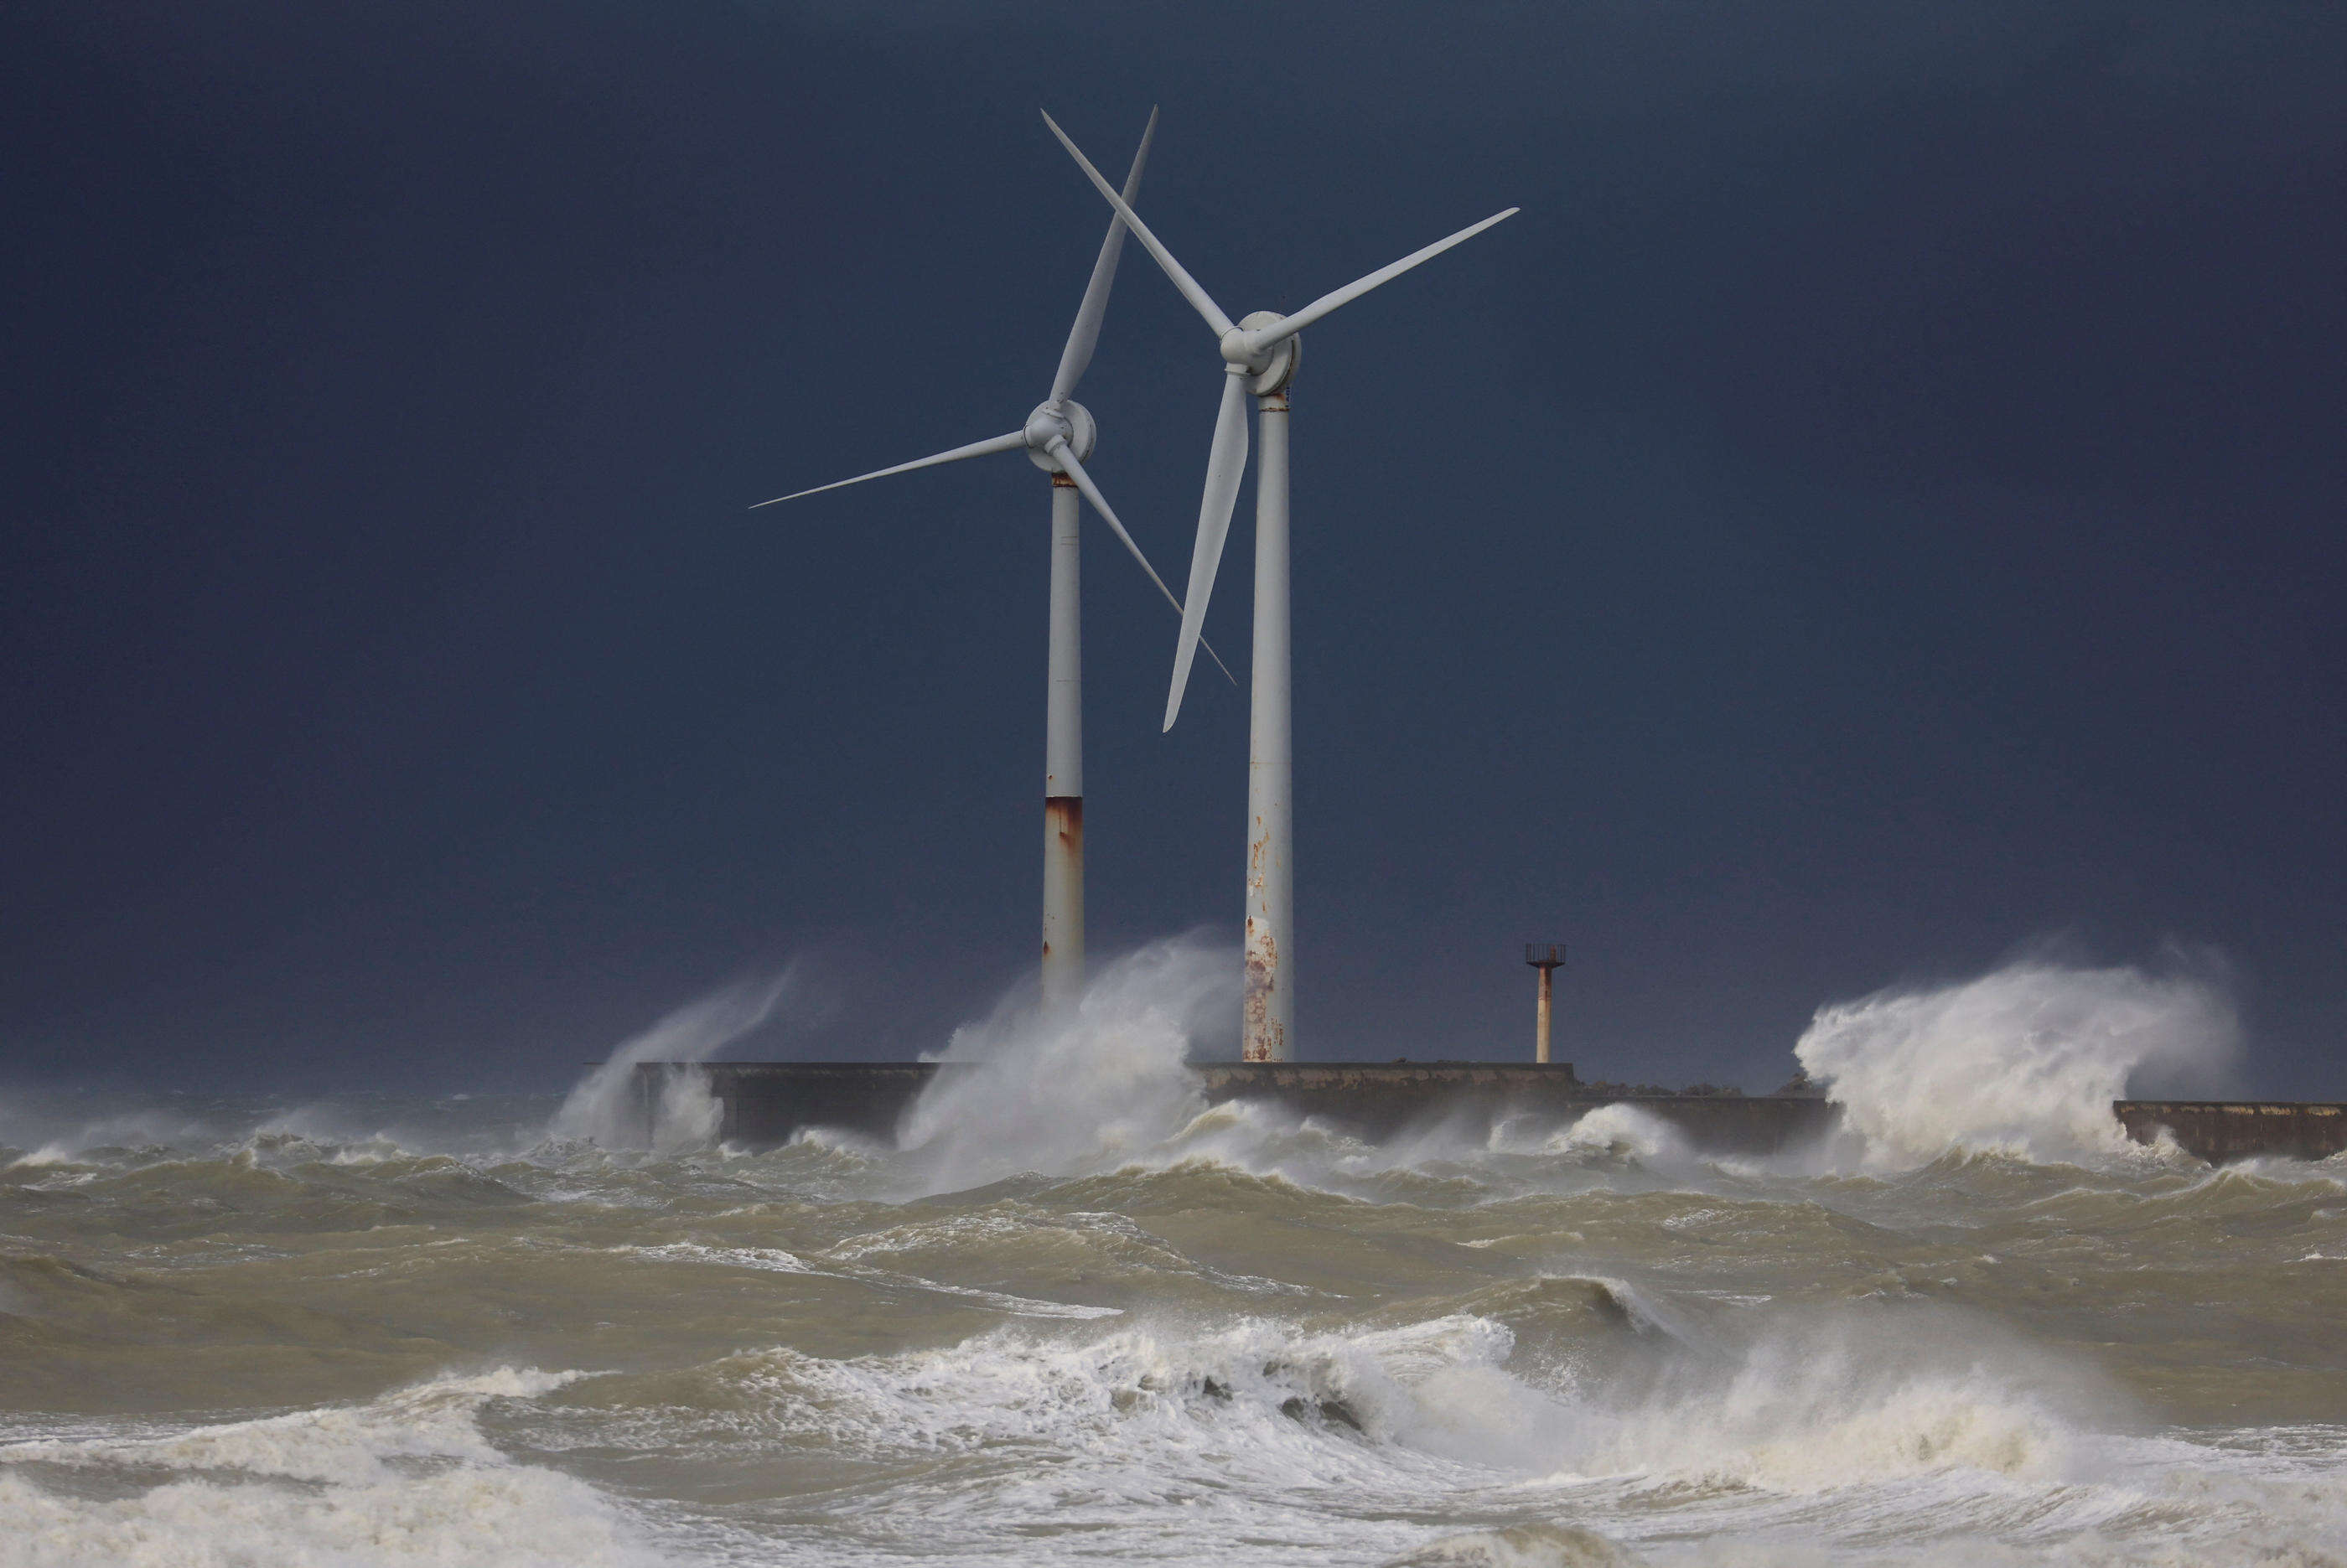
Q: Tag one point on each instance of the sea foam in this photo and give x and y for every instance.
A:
(405, 1479)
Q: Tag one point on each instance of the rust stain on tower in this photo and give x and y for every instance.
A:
(1265, 1042)
(1063, 814)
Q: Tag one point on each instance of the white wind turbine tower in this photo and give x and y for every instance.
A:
(1260, 353)
(1058, 436)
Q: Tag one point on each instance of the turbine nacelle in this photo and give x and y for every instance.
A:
(1271, 366)
(1063, 420)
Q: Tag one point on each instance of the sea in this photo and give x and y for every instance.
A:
(1074, 1314)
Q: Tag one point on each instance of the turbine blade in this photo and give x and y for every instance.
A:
(1200, 301)
(1010, 443)
(1263, 337)
(1225, 464)
(1067, 459)
(1078, 355)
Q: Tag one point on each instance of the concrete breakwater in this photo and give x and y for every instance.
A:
(761, 1104)
(2222, 1130)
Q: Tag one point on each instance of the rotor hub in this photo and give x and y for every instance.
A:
(1067, 421)
(1269, 370)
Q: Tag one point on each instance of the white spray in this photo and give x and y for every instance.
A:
(1082, 1087)
(605, 1108)
(2027, 1060)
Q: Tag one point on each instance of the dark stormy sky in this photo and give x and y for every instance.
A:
(1877, 512)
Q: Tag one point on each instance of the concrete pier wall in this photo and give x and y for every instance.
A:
(763, 1103)
(1378, 1099)
(2222, 1130)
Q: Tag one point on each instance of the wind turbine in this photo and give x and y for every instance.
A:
(1058, 436)
(1260, 353)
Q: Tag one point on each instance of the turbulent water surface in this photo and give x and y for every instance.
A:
(1082, 1316)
